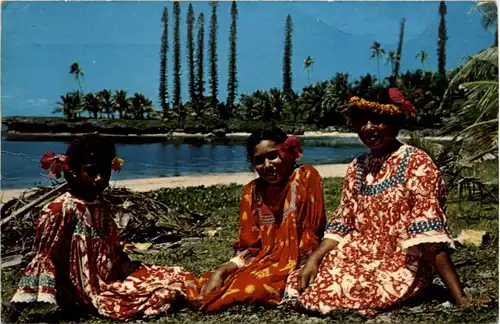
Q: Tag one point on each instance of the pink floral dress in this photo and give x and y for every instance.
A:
(79, 262)
(389, 206)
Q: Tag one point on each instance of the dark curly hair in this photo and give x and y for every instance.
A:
(274, 134)
(89, 149)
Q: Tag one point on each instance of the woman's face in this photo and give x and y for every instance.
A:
(268, 163)
(94, 178)
(374, 131)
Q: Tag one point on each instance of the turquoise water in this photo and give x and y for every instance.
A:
(21, 167)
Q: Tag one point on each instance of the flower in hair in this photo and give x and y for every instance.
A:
(55, 163)
(116, 164)
(291, 149)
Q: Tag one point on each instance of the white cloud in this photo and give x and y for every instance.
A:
(36, 102)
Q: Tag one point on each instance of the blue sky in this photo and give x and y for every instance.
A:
(117, 44)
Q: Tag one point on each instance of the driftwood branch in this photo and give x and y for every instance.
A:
(32, 204)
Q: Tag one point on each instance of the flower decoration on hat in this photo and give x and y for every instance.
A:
(400, 106)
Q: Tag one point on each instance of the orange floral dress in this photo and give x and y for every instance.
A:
(272, 248)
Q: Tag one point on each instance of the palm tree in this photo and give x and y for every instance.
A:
(489, 16)
(423, 57)
(140, 105)
(391, 59)
(121, 104)
(277, 101)
(69, 105)
(378, 53)
(92, 105)
(308, 62)
(106, 102)
(476, 118)
(77, 72)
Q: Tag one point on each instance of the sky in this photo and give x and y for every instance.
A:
(117, 44)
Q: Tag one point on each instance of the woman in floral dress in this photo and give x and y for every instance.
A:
(281, 223)
(390, 229)
(79, 262)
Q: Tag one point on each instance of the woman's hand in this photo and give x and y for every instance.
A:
(308, 273)
(216, 281)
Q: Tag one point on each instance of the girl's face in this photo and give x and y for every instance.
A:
(268, 163)
(94, 178)
(374, 130)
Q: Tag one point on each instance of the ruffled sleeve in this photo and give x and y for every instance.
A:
(38, 283)
(427, 221)
(342, 220)
(249, 242)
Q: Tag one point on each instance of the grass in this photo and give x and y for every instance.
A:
(476, 266)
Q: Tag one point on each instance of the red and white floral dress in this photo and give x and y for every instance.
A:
(389, 206)
(79, 262)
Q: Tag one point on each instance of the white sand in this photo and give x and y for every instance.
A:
(148, 184)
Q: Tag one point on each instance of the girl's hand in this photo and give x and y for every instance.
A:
(308, 273)
(216, 281)
(465, 302)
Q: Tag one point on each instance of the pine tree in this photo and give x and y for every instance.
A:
(232, 82)
(212, 47)
(163, 91)
(287, 58)
(397, 64)
(200, 82)
(190, 49)
(442, 38)
(177, 57)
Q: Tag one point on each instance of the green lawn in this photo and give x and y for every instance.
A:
(477, 267)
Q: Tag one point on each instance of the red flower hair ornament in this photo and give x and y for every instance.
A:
(406, 106)
(57, 164)
(291, 149)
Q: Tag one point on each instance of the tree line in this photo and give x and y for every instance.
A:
(320, 104)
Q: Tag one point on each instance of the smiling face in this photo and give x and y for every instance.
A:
(268, 163)
(375, 131)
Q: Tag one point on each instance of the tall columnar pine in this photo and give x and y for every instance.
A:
(163, 90)
(212, 47)
(200, 82)
(177, 58)
(287, 58)
(232, 82)
(442, 38)
(399, 51)
(190, 50)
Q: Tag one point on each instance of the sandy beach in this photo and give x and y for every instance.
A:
(148, 184)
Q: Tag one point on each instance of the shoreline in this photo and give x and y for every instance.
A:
(150, 184)
(13, 135)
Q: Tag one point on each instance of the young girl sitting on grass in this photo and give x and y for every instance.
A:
(281, 222)
(79, 261)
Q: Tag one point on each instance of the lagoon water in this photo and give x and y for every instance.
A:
(20, 166)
